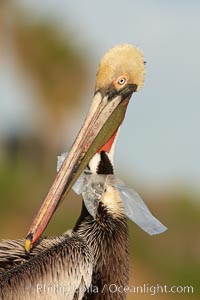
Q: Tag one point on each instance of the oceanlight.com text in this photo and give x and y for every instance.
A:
(113, 288)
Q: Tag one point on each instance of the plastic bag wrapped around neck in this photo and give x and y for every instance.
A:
(92, 186)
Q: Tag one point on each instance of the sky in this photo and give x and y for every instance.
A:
(159, 140)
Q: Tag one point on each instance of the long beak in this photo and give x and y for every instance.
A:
(104, 117)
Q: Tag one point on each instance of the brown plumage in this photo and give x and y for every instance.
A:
(94, 256)
(61, 261)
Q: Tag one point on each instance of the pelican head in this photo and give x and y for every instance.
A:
(121, 66)
(120, 73)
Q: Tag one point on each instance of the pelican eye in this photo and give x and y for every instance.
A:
(122, 80)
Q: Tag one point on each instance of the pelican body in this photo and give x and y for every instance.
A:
(82, 263)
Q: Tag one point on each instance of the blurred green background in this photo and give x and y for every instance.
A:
(48, 58)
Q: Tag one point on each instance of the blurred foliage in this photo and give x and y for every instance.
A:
(56, 66)
(58, 73)
(174, 255)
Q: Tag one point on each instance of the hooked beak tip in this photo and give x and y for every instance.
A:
(28, 244)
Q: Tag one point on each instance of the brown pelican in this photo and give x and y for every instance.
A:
(90, 261)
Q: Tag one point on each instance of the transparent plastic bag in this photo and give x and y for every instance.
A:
(92, 187)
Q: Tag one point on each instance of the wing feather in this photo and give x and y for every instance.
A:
(58, 268)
